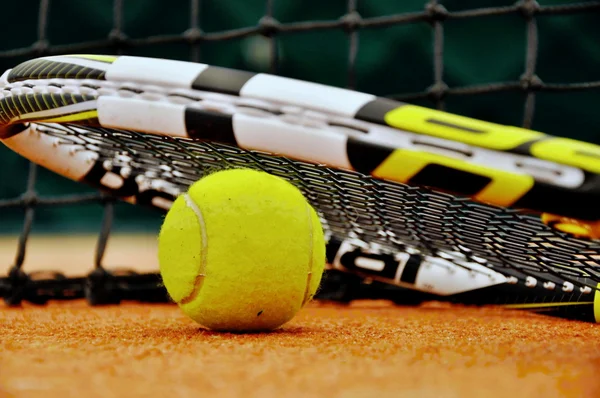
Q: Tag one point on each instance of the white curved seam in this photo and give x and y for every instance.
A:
(203, 251)
(310, 256)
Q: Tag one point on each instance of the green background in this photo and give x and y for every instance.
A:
(390, 60)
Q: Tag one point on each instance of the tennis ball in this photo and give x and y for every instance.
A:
(241, 251)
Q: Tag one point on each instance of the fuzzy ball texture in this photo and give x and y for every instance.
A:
(241, 251)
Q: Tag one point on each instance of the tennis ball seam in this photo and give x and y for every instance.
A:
(310, 254)
(199, 280)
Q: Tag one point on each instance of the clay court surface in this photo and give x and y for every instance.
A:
(368, 349)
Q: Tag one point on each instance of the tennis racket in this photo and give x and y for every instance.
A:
(410, 196)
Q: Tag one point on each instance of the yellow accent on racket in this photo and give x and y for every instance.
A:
(101, 58)
(567, 151)
(578, 228)
(504, 189)
(550, 305)
(75, 117)
(459, 128)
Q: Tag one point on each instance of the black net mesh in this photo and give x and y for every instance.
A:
(512, 242)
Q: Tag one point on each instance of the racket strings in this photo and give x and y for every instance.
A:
(353, 205)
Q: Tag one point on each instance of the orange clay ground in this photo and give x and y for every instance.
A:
(368, 349)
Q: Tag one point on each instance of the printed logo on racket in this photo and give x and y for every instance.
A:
(444, 274)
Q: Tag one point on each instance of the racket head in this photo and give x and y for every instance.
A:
(360, 208)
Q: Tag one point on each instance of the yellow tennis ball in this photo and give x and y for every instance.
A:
(242, 250)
